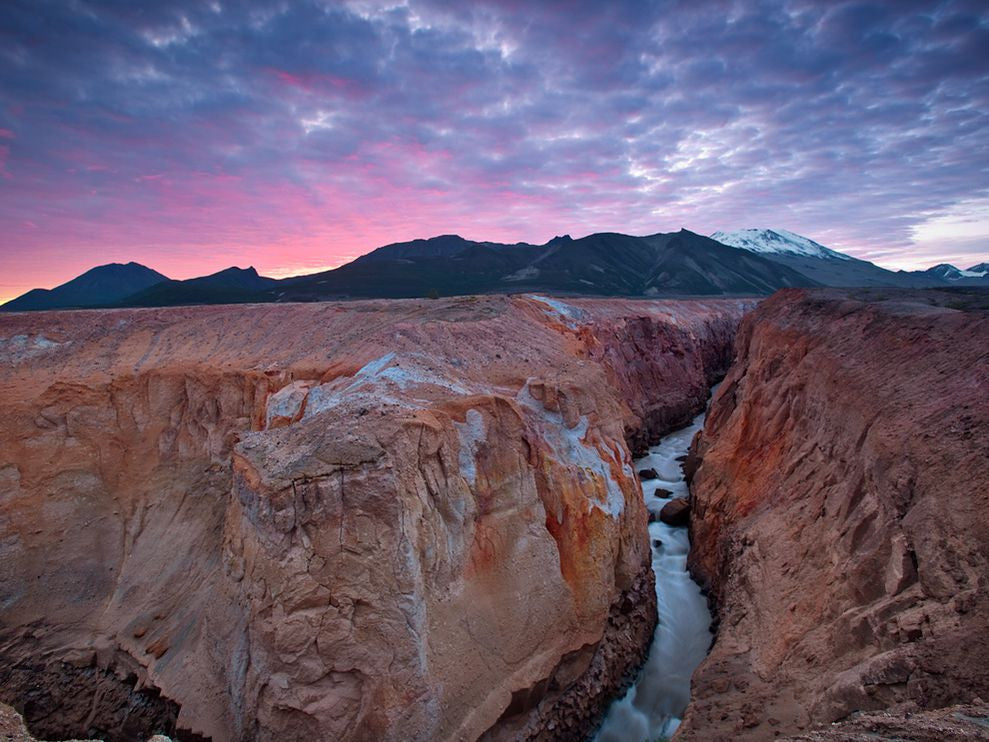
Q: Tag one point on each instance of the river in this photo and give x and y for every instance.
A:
(653, 707)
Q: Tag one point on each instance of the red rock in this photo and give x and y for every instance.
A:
(338, 521)
(839, 512)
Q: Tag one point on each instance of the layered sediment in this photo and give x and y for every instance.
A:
(375, 520)
(839, 518)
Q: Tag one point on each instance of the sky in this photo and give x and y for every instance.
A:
(294, 136)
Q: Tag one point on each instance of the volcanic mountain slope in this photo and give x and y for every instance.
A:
(777, 242)
(101, 286)
(821, 264)
(404, 520)
(839, 512)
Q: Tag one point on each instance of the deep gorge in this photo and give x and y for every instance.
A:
(420, 519)
(306, 520)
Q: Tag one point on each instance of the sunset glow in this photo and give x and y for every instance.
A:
(192, 136)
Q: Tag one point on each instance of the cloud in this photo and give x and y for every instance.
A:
(190, 134)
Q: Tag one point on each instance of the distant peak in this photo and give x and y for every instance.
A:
(99, 286)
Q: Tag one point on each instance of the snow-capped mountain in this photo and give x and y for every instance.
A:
(777, 242)
(833, 268)
(819, 263)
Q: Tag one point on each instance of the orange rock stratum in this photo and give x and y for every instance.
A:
(405, 520)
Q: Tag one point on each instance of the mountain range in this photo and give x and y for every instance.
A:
(744, 262)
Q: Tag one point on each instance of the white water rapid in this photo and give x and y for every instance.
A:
(652, 708)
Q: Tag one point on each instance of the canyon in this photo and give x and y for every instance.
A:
(401, 520)
(421, 519)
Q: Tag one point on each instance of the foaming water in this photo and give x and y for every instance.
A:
(654, 705)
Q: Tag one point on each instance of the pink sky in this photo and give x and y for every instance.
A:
(191, 136)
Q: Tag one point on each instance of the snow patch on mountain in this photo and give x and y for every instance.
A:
(950, 273)
(779, 241)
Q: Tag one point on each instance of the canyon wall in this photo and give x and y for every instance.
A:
(839, 514)
(406, 520)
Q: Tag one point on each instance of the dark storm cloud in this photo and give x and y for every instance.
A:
(189, 123)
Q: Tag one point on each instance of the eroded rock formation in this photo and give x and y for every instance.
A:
(385, 520)
(839, 514)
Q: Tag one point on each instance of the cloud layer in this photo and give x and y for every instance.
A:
(295, 135)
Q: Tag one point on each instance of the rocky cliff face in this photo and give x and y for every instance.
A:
(386, 520)
(839, 513)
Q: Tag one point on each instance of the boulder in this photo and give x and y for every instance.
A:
(676, 512)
